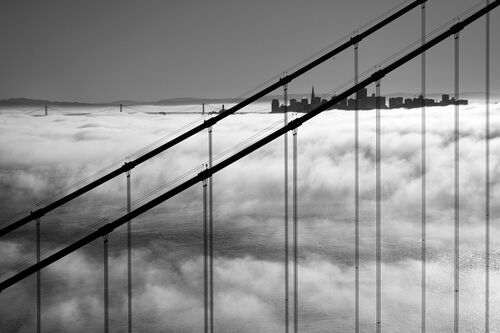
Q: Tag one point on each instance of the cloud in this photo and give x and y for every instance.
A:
(54, 152)
(249, 295)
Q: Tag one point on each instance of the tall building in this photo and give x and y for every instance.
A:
(362, 93)
(275, 105)
(315, 101)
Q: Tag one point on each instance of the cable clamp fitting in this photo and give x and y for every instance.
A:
(105, 229)
(285, 80)
(356, 39)
(296, 123)
(378, 75)
(37, 213)
(205, 174)
(457, 27)
(127, 166)
(209, 122)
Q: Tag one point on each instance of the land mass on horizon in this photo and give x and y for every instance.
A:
(30, 102)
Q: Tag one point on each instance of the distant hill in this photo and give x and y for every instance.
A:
(169, 101)
(18, 102)
(39, 102)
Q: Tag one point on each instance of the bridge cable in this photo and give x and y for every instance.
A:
(424, 179)
(356, 192)
(211, 229)
(295, 237)
(457, 187)
(97, 174)
(397, 8)
(236, 147)
(205, 255)
(399, 53)
(38, 281)
(212, 121)
(253, 147)
(378, 213)
(129, 256)
(487, 194)
(106, 284)
(285, 158)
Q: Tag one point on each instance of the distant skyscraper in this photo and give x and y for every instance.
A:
(275, 105)
(314, 100)
(363, 93)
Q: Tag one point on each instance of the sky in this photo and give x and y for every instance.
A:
(55, 152)
(100, 51)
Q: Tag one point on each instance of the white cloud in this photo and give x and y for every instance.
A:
(56, 151)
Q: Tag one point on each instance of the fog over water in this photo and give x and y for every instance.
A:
(41, 157)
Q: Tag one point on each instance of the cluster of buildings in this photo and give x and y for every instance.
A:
(364, 102)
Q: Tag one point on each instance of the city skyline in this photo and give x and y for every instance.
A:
(365, 102)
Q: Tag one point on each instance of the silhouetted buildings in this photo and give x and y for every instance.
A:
(298, 106)
(365, 102)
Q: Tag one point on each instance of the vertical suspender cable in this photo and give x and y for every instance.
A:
(295, 239)
(487, 194)
(424, 182)
(356, 195)
(205, 258)
(106, 292)
(38, 280)
(129, 256)
(210, 231)
(456, 191)
(378, 214)
(285, 136)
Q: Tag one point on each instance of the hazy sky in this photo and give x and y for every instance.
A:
(97, 50)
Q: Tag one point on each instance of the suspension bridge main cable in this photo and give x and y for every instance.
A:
(109, 227)
(210, 122)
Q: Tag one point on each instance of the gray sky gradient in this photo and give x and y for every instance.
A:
(148, 50)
